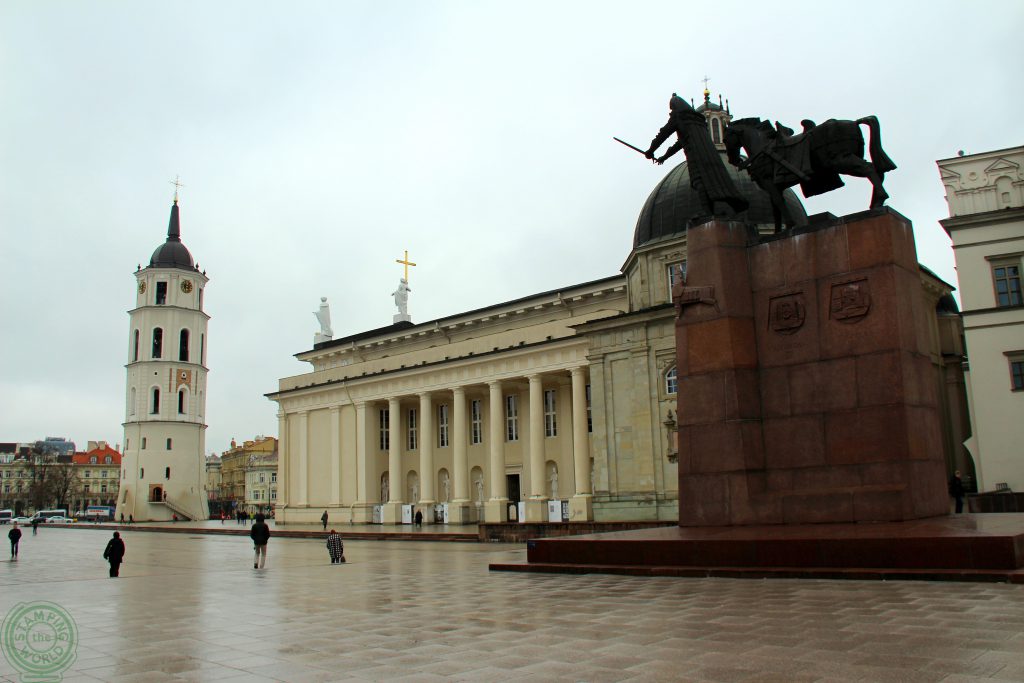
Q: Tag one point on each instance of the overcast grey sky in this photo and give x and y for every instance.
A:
(318, 140)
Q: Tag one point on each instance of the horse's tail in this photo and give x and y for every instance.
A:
(881, 161)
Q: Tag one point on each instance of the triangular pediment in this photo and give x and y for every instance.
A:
(1002, 164)
(947, 174)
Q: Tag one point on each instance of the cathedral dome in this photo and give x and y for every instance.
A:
(673, 205)
(172, 253)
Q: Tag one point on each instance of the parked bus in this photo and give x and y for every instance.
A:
(44, 515)
(5, 516)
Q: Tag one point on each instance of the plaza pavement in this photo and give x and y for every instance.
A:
(191, 608)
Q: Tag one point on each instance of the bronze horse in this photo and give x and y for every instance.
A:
(814, 158)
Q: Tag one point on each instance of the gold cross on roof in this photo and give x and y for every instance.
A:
(405, 262)
(176, 186)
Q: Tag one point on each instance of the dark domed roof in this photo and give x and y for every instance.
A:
(674, 204)
(172, 253)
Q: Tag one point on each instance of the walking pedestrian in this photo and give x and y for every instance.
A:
(260, 535)
(35, 526)
(323, 519)
(956, 490)
(131, 519)
(419, 518)
(15, 535)
(114, 554)
(122, 518)
(335, 547)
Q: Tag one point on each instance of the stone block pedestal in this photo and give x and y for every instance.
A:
(391, 513)
(496, 511)
(581, 508)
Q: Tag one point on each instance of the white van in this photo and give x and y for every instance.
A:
(44, 515)
(6, 516)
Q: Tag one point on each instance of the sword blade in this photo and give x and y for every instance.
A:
(637, 149)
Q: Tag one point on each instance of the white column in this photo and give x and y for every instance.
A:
(581, 505)
(335, 417)
(537, 438)
(282, 461)
(394, 450)
(426, 446)
(303, 458)
(361, 452)
(580, 436)
(460, 458)
(497, 442)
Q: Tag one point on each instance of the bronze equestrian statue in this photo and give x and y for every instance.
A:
(777, 159)
(708, 175)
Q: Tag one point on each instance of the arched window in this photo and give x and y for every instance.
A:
(183, 346)
(181, 402)
(716, 131)
(142, 473)
(671, 381)
(168, 444)
(135, 346)
(155, 408)
(202, 349)
(158, 342)
(167, 473)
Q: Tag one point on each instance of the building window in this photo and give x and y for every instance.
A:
(155, 407)
(442, 425)
(161, 293)
(183, 346)
(1007, 282)
(671, 381)
(273, 477)
(200, 298)
(142, 473)
(167, 471)
(85, 489)
(143, 443)
(168, 444)
(263, 477)
(103, 488)
(93, 460)
(135, 346)
(107, 459)
(385, 429)
(476, 422)
(1017, 373)
(103, 474)
(202, 347)
(131, 405)
(716, 132)
(590, 415)
(412, 429)
(676, 275)
(181, 402)
(550, 424)
(273, 494)
(158, 342)
(88, 473)
(511, 418)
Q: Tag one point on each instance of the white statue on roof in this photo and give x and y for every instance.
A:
(402, 301)
(323, 316)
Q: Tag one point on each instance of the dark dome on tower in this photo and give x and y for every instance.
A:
(673, 205)
(172, 253)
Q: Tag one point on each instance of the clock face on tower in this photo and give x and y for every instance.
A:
(186, 286)
(142, 287)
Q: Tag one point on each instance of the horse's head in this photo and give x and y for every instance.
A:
(746, 134)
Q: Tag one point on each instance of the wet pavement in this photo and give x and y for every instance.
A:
(191, 608)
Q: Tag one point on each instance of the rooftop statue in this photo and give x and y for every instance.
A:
(708, 175)
(323, 316)
(815, 158)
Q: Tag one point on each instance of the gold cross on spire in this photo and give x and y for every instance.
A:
(176, 186)
(706, 79)
(405, 262)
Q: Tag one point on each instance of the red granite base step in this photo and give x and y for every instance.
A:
(968, 547)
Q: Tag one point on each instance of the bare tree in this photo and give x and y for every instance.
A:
(64, 484)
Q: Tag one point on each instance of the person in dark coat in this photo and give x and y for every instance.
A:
(323, 518)
(708, 175)
(114, 554)
(956, 489)
(418, 518)
(260, 535)
(15, 535)
(335, 547)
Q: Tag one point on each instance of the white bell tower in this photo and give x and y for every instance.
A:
(163, 467)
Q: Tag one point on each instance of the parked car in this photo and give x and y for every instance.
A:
(59, 520)
(22, 520)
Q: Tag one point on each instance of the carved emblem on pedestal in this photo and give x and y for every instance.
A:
(850, 301)
(689, 296)
(786, 314)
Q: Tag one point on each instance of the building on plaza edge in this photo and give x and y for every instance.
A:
(556, 406)
(163, 469)
(985, 193)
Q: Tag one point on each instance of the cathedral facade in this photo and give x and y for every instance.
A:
(556, 406)
(163, 470)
